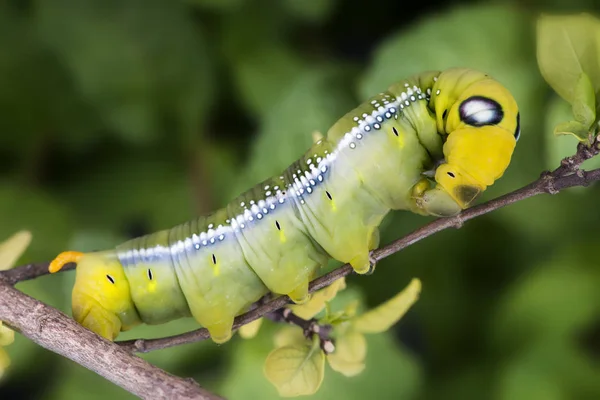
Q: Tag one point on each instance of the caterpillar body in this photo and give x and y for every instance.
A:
(430, 144)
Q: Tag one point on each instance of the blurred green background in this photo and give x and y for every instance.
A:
(118, 118)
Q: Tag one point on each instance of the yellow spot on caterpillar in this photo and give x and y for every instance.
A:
(282, 237)
(330, 199)
(152, 286)
(216, 269)
(401, 141)
(64, 258)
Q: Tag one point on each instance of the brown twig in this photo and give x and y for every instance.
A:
(57, 332)
(310, 327)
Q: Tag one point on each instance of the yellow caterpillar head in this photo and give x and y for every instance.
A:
(101, 297)
(482, 121)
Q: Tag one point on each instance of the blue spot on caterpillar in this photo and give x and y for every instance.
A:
(430, 144)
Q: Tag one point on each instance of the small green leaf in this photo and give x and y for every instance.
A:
(317, 302)
(290, 336)
(296, 370)
(381, 318)
(574, 128)
(4, 361)
(349, 355)
(250, 330)
(566, 48)
(7, 335)
(584, 103)
(12, 248)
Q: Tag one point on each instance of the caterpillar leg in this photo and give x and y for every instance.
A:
(300, 294)
(363, 264)
(434, 201)
(96, 318)
(221, 332)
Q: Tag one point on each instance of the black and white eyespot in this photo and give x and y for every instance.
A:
(518, 130)
(480, 111)
(110, 279)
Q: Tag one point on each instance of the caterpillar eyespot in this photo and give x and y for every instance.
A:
(480, 111)
(469, 151)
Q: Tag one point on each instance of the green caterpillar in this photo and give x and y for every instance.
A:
(430, 144)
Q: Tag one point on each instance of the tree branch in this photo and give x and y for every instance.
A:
(57, 332)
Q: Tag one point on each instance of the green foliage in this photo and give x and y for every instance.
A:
(118, 118)
(297, 364)
(568, 54)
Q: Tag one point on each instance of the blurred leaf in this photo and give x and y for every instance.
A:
(250, 330)
(382, 317)
(142, 64)
(263, 65)
(318, 299)
(584, 101)
(7, 335)
(264, 74)
(296, 370)
(37, 212)
(290, 336)
(12, 248)
(311, 10)
(221, 5)
(143, 188)
(349, 355)
(549, 370)
(4, 361)
(554, 300)
(37, 98)
(566, 48)
(314, 102)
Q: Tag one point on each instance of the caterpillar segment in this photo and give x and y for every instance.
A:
(430, 144)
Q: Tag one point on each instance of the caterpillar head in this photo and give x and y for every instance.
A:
(101, 297)
(483, 125)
